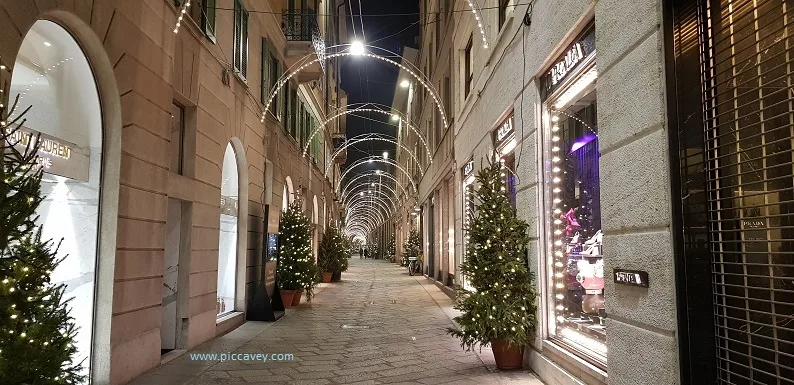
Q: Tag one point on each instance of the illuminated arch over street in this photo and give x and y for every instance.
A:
(373, 173)
(378, 159)
(371, 137)
(370, 51)
(367, 107)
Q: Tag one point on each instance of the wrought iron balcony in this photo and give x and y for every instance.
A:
(303, 28)
(300, 26)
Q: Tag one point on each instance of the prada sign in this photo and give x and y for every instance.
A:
(504, 132)
(468, 168)
(55, 156)
(568, 62)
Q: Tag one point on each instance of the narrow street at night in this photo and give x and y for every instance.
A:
(378, 326)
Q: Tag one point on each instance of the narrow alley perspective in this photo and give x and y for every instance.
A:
(377, 326)
(539, 192)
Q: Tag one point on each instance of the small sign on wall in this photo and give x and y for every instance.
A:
(631, 277)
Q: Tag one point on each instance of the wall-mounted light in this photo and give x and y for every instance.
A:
(405, 83)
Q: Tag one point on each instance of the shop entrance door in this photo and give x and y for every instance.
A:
(733, 117)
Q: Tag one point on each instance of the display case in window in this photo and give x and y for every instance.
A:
(573, 248)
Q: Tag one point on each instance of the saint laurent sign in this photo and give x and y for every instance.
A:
(55, 156)
(568, 62)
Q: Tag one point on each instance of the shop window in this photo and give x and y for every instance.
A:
(227, 248)
(177, 138)
(574, 258)
(240, 39)
(468, 70)
(468, 211)
(53, 77)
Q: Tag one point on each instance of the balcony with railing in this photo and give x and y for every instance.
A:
(304, 37)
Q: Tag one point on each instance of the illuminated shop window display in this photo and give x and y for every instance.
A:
(227, 250)
(574, 258)
(52, 76)
(468, 211)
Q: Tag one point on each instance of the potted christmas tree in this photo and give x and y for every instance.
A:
(37, 342)
(500, 311)
(297, 270)
(331, 255)
(411, 247)
(392, 249)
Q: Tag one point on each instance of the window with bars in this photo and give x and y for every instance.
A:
(737, 190)
(240, 39)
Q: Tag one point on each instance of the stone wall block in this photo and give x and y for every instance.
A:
(635, 188)
(651, 252)
(631, 95)
(640, 357)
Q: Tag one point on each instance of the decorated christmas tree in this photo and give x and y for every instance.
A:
(391, 250)
(502, 305)
(36, 332)
(297, 268)
(332, 256)
(411, 247)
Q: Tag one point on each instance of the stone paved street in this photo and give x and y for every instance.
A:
(398, 337)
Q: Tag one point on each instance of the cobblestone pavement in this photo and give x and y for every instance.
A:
(395, 335)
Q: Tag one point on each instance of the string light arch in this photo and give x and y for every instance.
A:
(343, 50)
(377, 159)
(372, 173)
(371, 137)
(365, 107)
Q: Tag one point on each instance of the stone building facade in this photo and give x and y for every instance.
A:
(647, 145)
(502, 98)
(182, 181)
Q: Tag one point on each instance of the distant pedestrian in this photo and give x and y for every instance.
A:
(366, 253)
(360, 253)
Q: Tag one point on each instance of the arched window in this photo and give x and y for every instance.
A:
(227, 249)
(52, 76)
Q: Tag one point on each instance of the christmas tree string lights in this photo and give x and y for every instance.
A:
(501, 303)
(297, 268)
(37, 333)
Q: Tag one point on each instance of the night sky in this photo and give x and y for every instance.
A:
(370, 80)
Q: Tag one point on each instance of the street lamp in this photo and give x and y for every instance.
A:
(357, 48)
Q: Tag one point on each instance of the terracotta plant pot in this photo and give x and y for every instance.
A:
(327, 276)
(507, 357)
(287, 296)
(296, 299)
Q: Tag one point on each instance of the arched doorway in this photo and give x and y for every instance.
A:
(227, 248)
(288, 195)
(50, 70)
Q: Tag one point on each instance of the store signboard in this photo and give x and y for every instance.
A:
(56, 156)
(468, 169)
(631, 277)
(573, 57)
(504, 132)
(270, 277)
